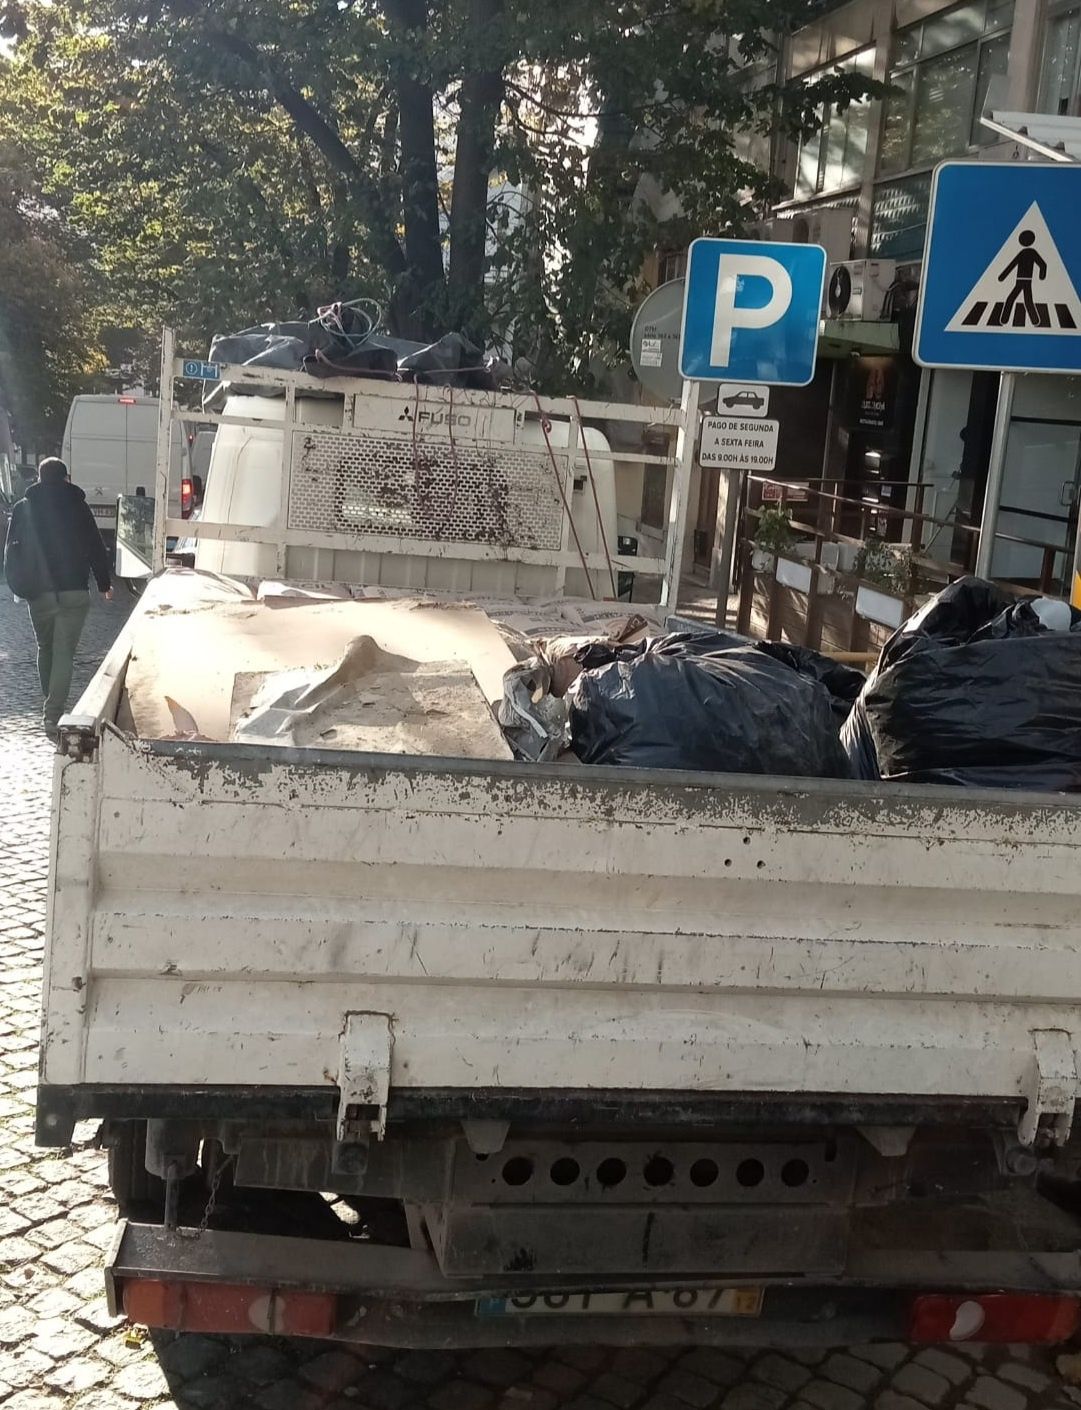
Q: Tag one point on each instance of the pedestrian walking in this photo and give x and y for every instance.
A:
(52, 547)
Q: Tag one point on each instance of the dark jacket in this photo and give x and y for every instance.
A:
(68, 534)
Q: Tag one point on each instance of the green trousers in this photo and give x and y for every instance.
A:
(57, 619)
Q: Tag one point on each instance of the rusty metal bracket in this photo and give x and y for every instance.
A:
(364, 1053)
(1051, 1087)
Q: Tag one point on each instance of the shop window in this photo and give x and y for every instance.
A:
(942, 72)
(1060, 71)
(833, 157)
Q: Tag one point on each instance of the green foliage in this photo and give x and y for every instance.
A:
(773, 533)
(225, 161)
(887, 565)
(45, 354)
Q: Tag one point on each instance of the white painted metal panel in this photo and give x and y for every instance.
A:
(216, 918)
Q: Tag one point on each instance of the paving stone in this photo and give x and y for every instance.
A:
(16, 1324)
(25, 1367)
(58, 1337)
(145, 1380)
(71, 1257)
(34, 1400)
(828, 1395)
(922, 1384)
(560, 1379)
(942, 1363)
(77, 1374)
(890, 1400)
(1027, 1377)
(54, 1302)
(583, 1358)
(379, 1389)
(644, 1365)
(885, 1354)
(754, 1397)
(528, 1398)
(724, 1368)
(426, 1368)
(190, 1356)
(994, 1395)
(460, 1395)
(688, 1388)
(210, 1393)
(496, 1366)
(334, 1370)
(776, 1370)
(260, 1362)
(851, 1372)
(619, 1391)
(289, 1395)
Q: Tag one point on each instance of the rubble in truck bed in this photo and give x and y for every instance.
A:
(977, 689)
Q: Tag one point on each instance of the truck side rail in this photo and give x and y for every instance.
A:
(537, 526)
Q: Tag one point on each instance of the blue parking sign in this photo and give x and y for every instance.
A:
(751, 312)
(1002, 268)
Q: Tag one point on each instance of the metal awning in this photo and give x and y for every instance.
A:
(844, 337)
(1056, 139)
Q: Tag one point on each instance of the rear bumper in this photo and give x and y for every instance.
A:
(60, 1107)
(365, 1293)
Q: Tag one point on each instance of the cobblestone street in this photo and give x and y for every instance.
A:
(59, 1347)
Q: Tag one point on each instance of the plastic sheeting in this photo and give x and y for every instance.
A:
(700, 703)
(975, 690)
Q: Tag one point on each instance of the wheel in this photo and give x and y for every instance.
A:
(135, 1190)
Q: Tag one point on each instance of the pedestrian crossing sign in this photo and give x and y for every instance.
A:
(1001, 268)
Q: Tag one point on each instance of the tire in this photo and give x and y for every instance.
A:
(135, 1190)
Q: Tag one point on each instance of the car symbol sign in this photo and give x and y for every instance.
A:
(743, 399)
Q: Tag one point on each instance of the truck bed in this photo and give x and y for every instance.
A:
(228, 920)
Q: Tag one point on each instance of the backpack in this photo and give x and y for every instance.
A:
(25, 566)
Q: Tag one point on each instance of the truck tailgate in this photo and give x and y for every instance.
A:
(224, 916)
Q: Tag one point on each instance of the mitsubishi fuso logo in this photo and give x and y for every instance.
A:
(433, 418)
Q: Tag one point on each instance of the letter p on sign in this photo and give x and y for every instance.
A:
(751, 311)
(732, 312)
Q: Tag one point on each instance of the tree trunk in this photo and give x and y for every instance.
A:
(479, 103)
(419, 307)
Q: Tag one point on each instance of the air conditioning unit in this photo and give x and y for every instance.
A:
(856, 289)
(832, 229)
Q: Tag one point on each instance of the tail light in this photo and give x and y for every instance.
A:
(187, 498)
(994, 1317)
(228, 1309)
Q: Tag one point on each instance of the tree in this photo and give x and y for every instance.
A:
(46, 349)
(468, 163)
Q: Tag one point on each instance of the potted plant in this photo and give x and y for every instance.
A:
(773, 536)
(886, 565)
(885, 574)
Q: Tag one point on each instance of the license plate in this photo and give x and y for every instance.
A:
(103, 511)
(672, 1302)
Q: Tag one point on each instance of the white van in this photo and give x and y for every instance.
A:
(110, 447)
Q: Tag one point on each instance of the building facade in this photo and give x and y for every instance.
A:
(861, 185)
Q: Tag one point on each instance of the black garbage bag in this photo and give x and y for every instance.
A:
(451, 362)
(842, 682)
(726, 711)
(282, 346)
(974, 690)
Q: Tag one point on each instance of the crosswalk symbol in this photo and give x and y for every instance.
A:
(1026, 288)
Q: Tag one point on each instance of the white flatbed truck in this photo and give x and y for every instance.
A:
(439, 1052)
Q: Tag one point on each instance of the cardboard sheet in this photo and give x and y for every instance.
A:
(373, 702)
(192, 649)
